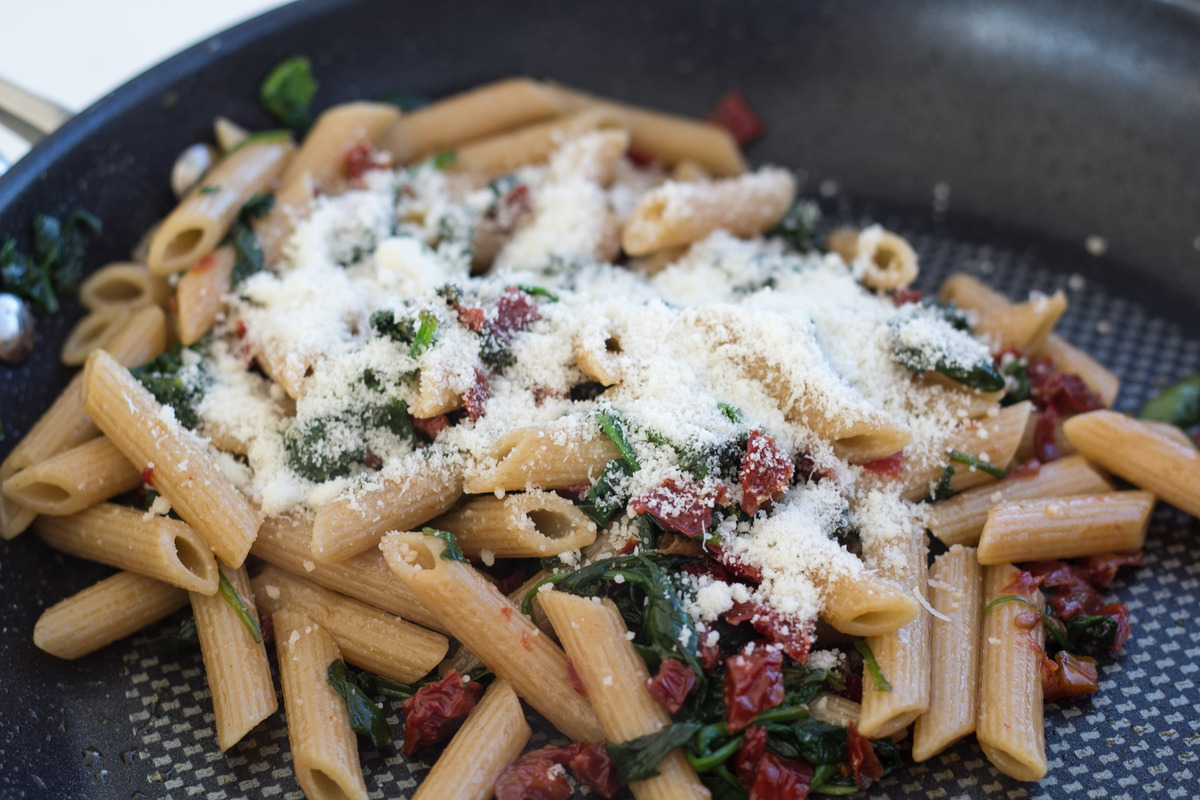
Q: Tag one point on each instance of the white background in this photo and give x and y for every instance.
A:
(75, 51)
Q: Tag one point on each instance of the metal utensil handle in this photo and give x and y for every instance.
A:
(29, 116)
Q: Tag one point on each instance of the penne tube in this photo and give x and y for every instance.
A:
(960, 519)
(475, 114)
(465, 661)
(1048, 528)
(112, 609)
(835, 710)
(489, 625)
(614, 675)
(1010, 729)
(885, 260)
(864, 604)
(324, 748)
(356, 520)
(902, 656)
(534, 144)
(528, 524)
(206, 213)
(367, 637)
(967, 291)
(74, 479)
(128, 285)
(322, 154)
(1069, 358)
(493, 736)
(174, 461)
(542, 457)
(677, 214)
(284, 542)
(668, 138)
(94, 331)
(1024, 326)
(955, 586)
(239, 676)
(65, 425)
(129, 539)
(200, 295)
(228, 134)
(1141, 454)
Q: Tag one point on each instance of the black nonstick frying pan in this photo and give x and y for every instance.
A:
(999, 137)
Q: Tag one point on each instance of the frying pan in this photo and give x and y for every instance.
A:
(999, 137)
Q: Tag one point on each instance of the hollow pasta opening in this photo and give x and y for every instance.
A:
(183, 243)
(322, 786)
(195, 561)
(550, 524)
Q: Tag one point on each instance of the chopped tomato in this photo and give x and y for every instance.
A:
(477, 395)
(514, 311)
(359, 159)
(1045, 443)
(1119, 612)
(862, 758)
(148, 475)
(671, 684)
(753, 683)
(1069, 676)
(539, 775)
(765, 474)
(893, 465)
(768, 775)
(905, 295)
(1072, 594)
(1023, 583)
(792, 635)
(573, 678)
(437, 709)
(679, 508)
(1026, 469)
(1101, 570)
(432, 426)
(734, 115)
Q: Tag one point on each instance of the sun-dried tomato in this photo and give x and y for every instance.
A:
(736, 567)
(1072, 595)
(1067, 394)
(734, 115)
(359, 159)
(514, 311)
(472, 317)
(861, 755)
(765, 474)
(1045, 432)
(905, 295)
(753, 683)
(1119, 612)
(1026, 469)
(1072, 676)
(432, 426)
(1101, 570)
(148, 475)
(768, 775)
(792, 635)
(672, 683)
(574, 680)
(478, 394)
(593, 768)
(437, 709)
(807, 469)
(1023, 583)
(679, 508)
(893, 465)
(532, 779)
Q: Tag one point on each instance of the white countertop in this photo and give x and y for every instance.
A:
(75, 51)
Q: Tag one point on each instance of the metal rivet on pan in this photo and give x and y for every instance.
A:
(16, 329)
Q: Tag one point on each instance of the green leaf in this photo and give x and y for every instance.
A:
(1010, 598)
(538, 291)
(603, 500)
(21, 276)
(613, 426)
(942, 489)
(172, 384)
(277, 135)
(444, 159)
(877, 677)
(229, 595)
(638, 759)
(733, 412)
(366, 718)
(452, 551)
(1178, 404)
(393, 415)
(46, 235)
(316, 455)
(423, 338)
(1019, 372)
(288, 90)
(933, 338)
(185, 638)
(208, 190)
(959, 457)
(588, 390)
(249, 258)
(799, 225)
(1099, 630)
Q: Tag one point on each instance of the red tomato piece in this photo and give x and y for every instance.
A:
(734, 115)
(893, 465)
(753, 683)
(1071, 676)
(437, 709)
(681, 509)
(671, 684)
(477, 395)
(862, 758)
(765, 474)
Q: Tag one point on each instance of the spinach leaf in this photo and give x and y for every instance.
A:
(1178, 404)
(249, 257)
(288, 90)
(942, 489)
(811, 739)
(185, 638)
(799, 225)
(176, 385)
(423, 338)
(538, 291)
(315, 453)
(366, 718)
(613, 426)
(638, 759)
(588, 390)
(393, 415)
(229, 595)
(1020, 388)
(932, 338)
(603, 500)
(733, 412)
(877, 677)
(1099, 630)
(959, 457)
(444, 159)
(452, 550)
(57, 261)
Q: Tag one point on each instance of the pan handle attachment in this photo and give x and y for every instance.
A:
(29, 116)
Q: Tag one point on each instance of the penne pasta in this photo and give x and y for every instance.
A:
(883, 260)
(614, 675)
(1048, 528)
(1066, 357)
(112, 609)
(200, 295)
(92, 332)
(505, 152)
(529, 524)
(1141, 454)
(122, 285)
(367, 637)
(126, 538)
(235, 662)
(865, 604)
(486, 622)
(324, 750)
(74, 479)
(174, 460)
(1010, 684)
(1023, 326)
(955, 584)
(549, 457)
(492, 737)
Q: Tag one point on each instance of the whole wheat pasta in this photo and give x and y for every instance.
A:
(536, 524)
(74, 479)
(1048, 528)
(201, 292)
(547, 457)
(122, 284)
